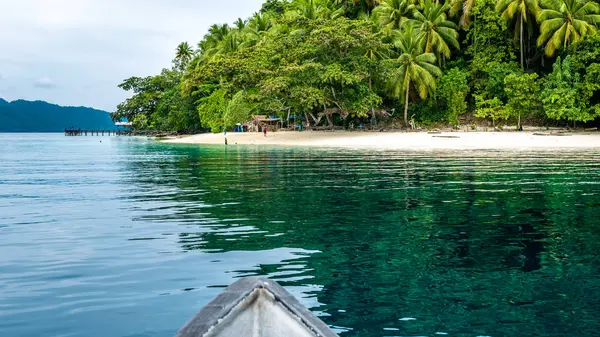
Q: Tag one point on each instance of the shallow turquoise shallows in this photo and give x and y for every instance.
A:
(125, 237)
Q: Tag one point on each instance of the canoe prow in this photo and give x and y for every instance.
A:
(257, 307)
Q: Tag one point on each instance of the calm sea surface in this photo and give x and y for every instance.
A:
(127, 237)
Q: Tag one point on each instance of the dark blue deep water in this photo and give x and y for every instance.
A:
(128, 237)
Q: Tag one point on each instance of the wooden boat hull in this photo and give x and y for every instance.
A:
(256, 307)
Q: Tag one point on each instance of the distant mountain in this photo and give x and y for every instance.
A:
(39, 116)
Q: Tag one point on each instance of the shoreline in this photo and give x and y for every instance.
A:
(402, 140)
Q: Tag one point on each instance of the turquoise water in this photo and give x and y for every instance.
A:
(127, 237)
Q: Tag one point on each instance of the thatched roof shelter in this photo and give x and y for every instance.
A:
(265, 119)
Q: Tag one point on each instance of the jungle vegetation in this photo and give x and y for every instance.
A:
(434, 62)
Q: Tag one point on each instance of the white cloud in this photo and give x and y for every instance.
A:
(45, 83)
(90, 46)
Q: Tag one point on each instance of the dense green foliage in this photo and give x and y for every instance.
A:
(38, 116)
(452, 92)
(331, 60)
(521, 92)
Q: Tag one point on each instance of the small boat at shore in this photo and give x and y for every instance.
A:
(257, 307)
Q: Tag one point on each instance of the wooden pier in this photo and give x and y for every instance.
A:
(80, 132)
(72, 132)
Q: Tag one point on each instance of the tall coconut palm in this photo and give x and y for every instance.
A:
(257, 28)
(524, 9)
(183, 54)
(439, 32)
(392, 14)
(376, 53)
(364, 6)
(416, 68)
(221, 40)
(566, 21)
(463, 7)
(216, 34)
(317, 9)
(232, 43)
(214, 42)
(240, 24)
(306, 8)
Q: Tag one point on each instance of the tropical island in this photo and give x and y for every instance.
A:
(382, 65)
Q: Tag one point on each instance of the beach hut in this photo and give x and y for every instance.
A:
(261, 121)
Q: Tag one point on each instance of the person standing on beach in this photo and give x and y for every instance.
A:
(265, 131)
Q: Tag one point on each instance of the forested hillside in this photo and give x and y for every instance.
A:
(433, 62)
(38, 116)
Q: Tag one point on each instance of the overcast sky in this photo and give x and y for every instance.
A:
(76, 52)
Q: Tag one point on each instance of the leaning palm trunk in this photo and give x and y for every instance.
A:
(406, 104)
(521, 38)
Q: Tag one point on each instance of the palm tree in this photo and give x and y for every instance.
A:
(183, 54)
(364, 6)
(257, 28)
(392, 14)
(522, 8)
(232, 43)
(456, 6)
(306, 8)
(261, 22)
(219, 40)
(431, 20)
(416, 68)
(566, 21)
(318, 9)
(216, 34)
(240, 24)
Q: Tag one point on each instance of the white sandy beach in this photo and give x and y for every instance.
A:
(403, 140)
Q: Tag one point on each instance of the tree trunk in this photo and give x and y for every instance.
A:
(543, 59)
(519, 123)
(428, 47)
(317, 120)
(406, 104)
(327, 116)
(307, 120)
(521, 38)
